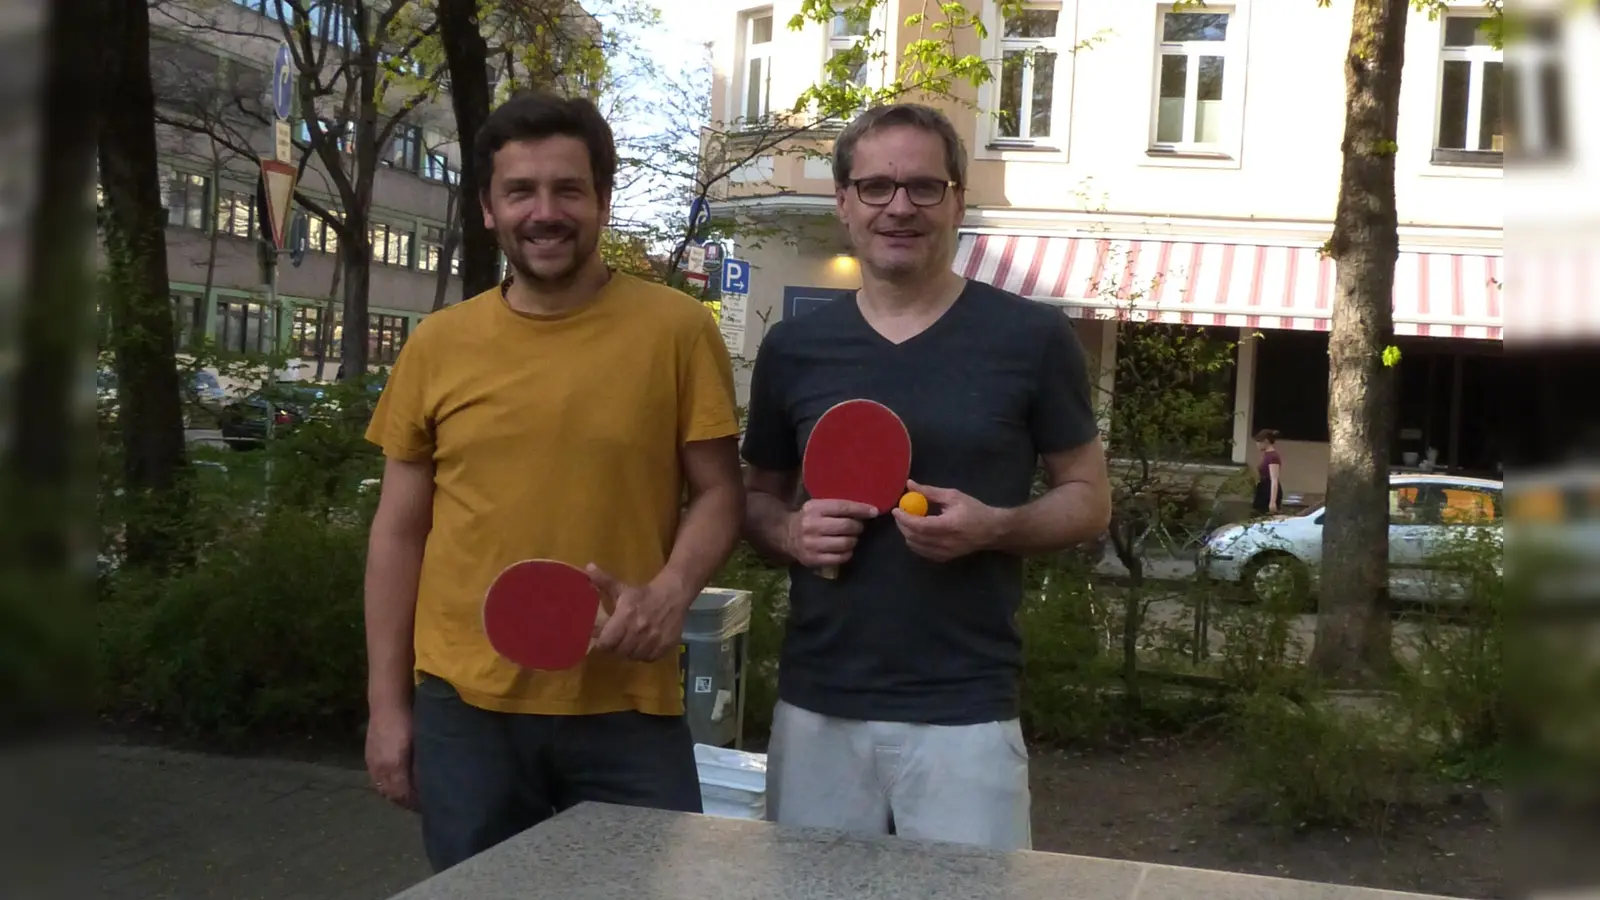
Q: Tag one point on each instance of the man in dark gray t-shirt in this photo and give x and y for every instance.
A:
(898, 680)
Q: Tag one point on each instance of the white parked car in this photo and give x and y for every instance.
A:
(1427, 514)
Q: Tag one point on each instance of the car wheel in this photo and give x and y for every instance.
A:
(1271, 575)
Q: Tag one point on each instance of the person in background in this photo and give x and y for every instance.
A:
(898, 682)
(1269, 481)
(563, 414)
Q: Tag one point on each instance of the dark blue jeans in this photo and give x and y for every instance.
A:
(485, 776)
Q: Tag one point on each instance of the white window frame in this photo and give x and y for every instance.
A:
(832, 43)
(1054, 148)
(1225, 152)
(1475, 56)
(1529, 59)
(749, 52)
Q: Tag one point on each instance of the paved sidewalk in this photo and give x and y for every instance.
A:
(181, 826)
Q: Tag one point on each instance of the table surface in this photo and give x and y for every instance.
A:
(603, 852)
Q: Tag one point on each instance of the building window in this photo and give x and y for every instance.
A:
(1535, 95)
(846, 33)
(236, 213)
(322, 237)
(184, 196)
(405, 148)
(303, 332)
(430, 249)
(344, 135)
(1195, 82)
(1470, 87)
(189, 315)
(756, 83)
(390, 245)
(243, 326)
(436, 167)
(328, 20)
(1030, 74)
(385, 338)
(272, 9)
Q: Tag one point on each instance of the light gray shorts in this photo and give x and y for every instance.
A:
(960, 783)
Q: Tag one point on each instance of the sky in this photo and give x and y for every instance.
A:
(682, 22)
(675, 42)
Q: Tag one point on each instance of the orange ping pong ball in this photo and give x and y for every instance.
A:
(914, 504)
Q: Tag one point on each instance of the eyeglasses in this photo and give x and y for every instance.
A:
(879, 191)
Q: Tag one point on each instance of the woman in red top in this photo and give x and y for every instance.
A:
(1269, 484)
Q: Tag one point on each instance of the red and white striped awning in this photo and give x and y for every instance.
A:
(1229, 285)
(1555, 290)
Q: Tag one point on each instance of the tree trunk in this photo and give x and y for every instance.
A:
(355, 255)
(355, 246)
(1353, 641)
(447, 248)
(46, 436)
(467, 54)
(150, 415)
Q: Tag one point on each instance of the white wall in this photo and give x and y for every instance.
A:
(1287, 79)
(1290, 122)
(775, 264)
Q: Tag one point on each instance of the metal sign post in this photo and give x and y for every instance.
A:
(277, 191)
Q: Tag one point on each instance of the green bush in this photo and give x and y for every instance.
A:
(1070, 687)
(1325, 760)
(1260, 649)
(1075, 686)
(263, 635)
(1457, 678)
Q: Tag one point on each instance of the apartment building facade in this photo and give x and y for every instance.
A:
(208, 57)
(1181, 165)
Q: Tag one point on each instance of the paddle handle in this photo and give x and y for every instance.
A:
(828, 572)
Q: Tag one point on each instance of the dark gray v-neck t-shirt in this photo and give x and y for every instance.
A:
(997, 381)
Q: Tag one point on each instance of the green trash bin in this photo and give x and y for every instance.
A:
(712, 662)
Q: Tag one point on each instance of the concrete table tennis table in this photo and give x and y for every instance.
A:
(602, 852)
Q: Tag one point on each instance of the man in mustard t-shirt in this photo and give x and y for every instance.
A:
(562, 415)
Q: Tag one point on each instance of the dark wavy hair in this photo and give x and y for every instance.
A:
(532, 115)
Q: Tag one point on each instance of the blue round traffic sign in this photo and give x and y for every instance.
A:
(699, 214)
(283, 82)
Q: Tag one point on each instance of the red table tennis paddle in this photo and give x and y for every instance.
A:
(541, 614)
(859, 451)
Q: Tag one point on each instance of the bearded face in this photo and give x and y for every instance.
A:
(544, 209)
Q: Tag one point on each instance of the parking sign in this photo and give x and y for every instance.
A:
(735, 276)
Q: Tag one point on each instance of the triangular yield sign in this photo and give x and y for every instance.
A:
(278, 178)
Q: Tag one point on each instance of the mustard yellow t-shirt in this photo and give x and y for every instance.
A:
(552, 437)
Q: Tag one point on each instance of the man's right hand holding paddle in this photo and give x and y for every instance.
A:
(823, 533)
